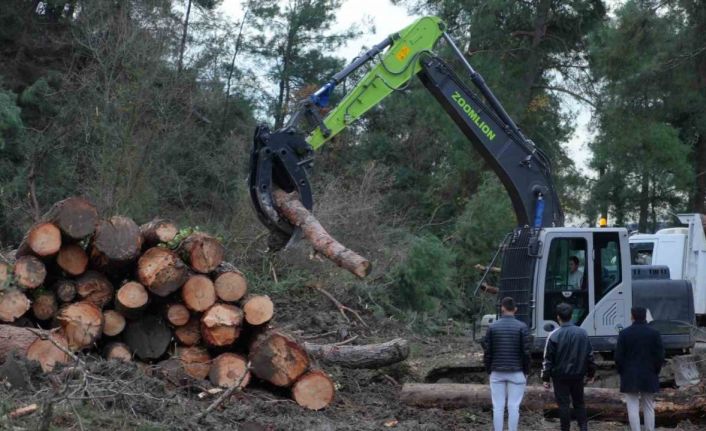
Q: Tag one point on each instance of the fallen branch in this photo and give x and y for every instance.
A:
(235, 388)
(23, 411)
(341, 308)
(292, 209)
(361, 356)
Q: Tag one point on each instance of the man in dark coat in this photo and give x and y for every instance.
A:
(639, 357)
(568, 359)
(506, 354)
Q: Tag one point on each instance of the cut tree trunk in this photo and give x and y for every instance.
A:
(293, 210)
(116, 243)
(161, 271)
(118, 351)
(177, 314)
(606, 404)
(363, 356)
(227, 369)
(65, 290)
(230, 283)
(47, 352)
(189, 334)
(94, 287)
(44, 306)
(147, 337)
(82, 323)
(113, 323)
(195, 360)
(258, 309)
(131, 299)
(220, 325)
(15, 338)
(277, 358)
(72, 259)
(198, 293)
(76, 217)
(202, 252)
(30, 272)
(158, 231)
(42, 240)
(13, 304)
(314, 390)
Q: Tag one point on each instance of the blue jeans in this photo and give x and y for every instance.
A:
(510, 386)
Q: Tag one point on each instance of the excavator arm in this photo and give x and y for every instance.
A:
(284, 157)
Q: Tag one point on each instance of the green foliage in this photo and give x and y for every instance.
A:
(10, 119)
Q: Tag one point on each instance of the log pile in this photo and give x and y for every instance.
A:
(150, 293)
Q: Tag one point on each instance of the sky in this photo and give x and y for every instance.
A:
(387, 18)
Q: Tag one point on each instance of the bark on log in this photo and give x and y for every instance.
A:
(202, 252)
(94, 287)
(161, 271)
(195, 360)
(26, 343)
(76, 217)
(293, 210)
(131, 299)
(227, 369)
(278, 358)
(113, 323)
(189, 334)
(65, 290)
(147, 337)
(72, 259)
(198, 293)
(118, 351)
(230, 283)
(116, 244)
(314, 390)
(362, 356)
(82, 323)
(30, 272)
(44, 306)
(220, 325)
(13, 304)
(606, 404)
(47, 353)
(5, 274)
(177, 314)
(258, 309)
(158, 231)
(42, 240)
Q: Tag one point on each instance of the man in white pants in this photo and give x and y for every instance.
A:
(639, 356)
(506, 348)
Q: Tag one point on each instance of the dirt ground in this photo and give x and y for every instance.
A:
(113, 396)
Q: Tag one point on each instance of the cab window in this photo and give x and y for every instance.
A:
(608, 265)
(566, 278)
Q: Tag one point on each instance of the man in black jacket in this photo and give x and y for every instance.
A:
(639, 357)
(568, 359)
(506, 349)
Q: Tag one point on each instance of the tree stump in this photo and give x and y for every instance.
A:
(220, 325)
(94, 287)
(277, 358)
(177, 314)
(202, 252)
(13, 304)
(116, 243)
(314, 390)
(198, 293)
(114, 323)
(76, 217)
(227, 369)
(82, 323)
(230, 283)
(42, 240)
(30, 272)
(72, 259)
(258, 309)
(131, 299)
(161, 271)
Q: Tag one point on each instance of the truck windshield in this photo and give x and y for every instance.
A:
(641, 253)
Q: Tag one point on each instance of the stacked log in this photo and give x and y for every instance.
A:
(146, 293)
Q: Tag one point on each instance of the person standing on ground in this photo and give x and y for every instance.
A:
(639, 357)
(568, 359)
(506, 355)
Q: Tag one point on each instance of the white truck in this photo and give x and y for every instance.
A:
(683, 250)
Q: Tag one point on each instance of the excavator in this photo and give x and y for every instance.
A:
(536, 257)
